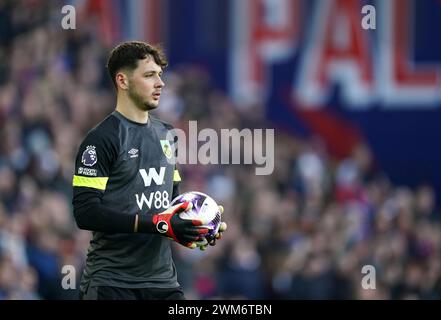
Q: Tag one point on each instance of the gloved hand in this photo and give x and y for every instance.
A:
(211, 240)
(183, 231)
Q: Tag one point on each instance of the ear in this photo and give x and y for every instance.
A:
(122, 81)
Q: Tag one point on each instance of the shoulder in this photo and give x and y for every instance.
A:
(161, 124)
(104, 136)
(107, 130)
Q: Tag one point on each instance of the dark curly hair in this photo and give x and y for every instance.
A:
(127, 54)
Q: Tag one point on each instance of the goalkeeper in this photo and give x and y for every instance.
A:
(122, 188)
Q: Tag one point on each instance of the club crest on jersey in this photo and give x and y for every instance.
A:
(89, 157)
(166, 148)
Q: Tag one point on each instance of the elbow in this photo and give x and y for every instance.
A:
(80, 220)
(80, 223)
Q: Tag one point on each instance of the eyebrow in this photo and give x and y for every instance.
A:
(153, 71)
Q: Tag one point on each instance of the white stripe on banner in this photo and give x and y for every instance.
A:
(241, 86)
(136, 19)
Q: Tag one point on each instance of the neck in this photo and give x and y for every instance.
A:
(128, 109)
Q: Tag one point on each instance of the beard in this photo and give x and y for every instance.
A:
(141, 102)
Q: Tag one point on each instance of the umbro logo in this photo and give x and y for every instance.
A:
(133, 153)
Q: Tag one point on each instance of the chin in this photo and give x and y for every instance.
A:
(150, 106)
(153, 105)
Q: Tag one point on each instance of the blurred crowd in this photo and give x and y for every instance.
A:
(304, 232)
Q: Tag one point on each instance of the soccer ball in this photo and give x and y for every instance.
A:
(204, 209)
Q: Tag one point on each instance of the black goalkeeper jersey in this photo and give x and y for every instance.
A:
(124, 168)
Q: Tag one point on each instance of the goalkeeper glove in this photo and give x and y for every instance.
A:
(211, 240)
(183, 231)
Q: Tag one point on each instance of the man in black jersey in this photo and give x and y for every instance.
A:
(122, 188)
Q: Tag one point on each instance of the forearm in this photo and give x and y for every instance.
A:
(96, 217)
(91, 214)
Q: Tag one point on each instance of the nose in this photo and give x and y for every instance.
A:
(159, 83)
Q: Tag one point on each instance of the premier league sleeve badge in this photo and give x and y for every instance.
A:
(89, 157)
